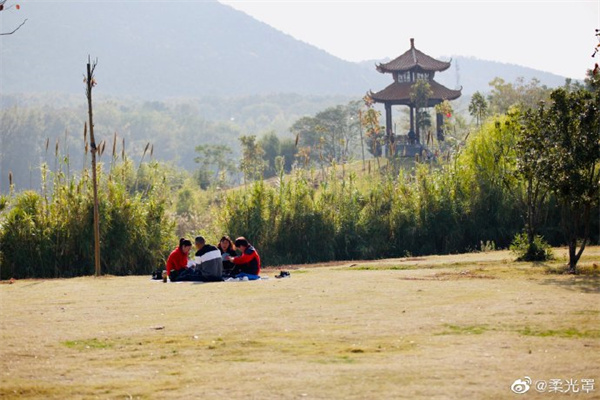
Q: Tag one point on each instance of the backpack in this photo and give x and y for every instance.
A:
(157, 275)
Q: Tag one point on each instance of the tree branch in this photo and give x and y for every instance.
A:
(16, 29)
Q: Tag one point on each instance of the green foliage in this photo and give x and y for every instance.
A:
(283, 222)
(216, 166)
(332, 135)
(52, 236)
(565, 157)
(431, 209)
(478, 107)
(526, 250)
(373, 130)
(505, 95)
(273, 147)
(252, 164)
(419, 95)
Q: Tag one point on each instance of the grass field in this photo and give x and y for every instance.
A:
(442, 327)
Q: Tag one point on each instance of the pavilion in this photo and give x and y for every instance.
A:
(406, 70)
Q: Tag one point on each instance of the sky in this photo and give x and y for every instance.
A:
(551, 36)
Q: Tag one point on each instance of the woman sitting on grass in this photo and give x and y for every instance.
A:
(248, 262)
(227, 249)
(177, 263)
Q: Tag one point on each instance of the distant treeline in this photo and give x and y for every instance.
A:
(36, 128)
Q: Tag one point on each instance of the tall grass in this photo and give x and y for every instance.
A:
(446, 206)
(50, 234)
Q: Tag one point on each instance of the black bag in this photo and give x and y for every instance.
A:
(157, 275)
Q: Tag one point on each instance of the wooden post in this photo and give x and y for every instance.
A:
(90, 83)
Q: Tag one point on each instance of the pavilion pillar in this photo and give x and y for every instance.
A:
(412, 124)
(439, 122)
(388, 126)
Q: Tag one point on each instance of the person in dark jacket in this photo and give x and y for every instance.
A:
(209, 264)
(227, 249)
(248, 262)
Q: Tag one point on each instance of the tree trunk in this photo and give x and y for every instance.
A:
(573, 225)
(572, 257)
(94, 149)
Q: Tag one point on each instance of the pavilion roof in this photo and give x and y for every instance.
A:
(413, 59)
(399, 93)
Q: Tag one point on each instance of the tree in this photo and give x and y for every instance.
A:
(374, 131)
(530, 173)
(443, 112)
(274, 149)
(505, 95)
(214, 163)
(334, 132)
(287, 150)
(252, 164)
(419, 95)
(271, 146)
(90, 82)
(567, 154)
(478, 107)
(596, 71)
(3, 7)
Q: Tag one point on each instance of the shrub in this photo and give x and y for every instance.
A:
(538, 250)
(43, 237)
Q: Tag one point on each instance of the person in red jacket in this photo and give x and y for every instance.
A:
(249, 262)
(177, 263)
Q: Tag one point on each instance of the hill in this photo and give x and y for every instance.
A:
(159, 50)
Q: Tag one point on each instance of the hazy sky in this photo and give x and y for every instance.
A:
(553, 36)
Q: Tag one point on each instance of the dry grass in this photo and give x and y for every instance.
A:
(461, 326)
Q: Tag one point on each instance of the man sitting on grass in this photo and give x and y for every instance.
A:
(209, 264)
(248, 263)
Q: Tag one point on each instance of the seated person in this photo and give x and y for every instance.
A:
(177, 262)
(227, 249)
(248, 262)
(209, 265)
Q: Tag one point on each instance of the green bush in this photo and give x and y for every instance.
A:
(49, 237)
(538, 250)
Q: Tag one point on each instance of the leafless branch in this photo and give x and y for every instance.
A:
(16, 29)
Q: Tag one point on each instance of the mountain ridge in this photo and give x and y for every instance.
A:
(156, 51)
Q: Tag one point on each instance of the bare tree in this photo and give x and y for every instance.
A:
(90, 82)
(3, 7)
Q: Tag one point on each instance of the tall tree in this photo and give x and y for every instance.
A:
(567, 155)
(252, 164)
(374, 131)
(271, 146)
(332, 134)
(530, 173)
(90, 82)
(478, 107)
(215, 164)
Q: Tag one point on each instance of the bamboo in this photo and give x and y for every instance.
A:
(362, 142)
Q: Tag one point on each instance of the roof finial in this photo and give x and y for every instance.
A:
(412, 43)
